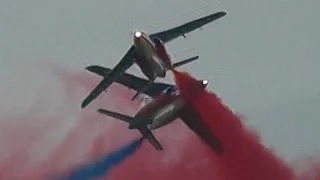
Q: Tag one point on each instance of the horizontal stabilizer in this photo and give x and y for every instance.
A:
(186, 61)
(147, 134)
(116, 115)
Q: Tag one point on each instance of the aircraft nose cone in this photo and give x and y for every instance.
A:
(137, 35)
(205, 83)
(137, 38)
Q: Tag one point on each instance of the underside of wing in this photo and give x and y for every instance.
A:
(132, 81)
(125, 63)
(181, 30)
(154, 90)
(193, 120)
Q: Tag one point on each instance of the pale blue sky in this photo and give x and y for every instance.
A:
(262, 58)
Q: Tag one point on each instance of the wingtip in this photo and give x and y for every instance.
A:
(160, 148)
(223, 13)
(100, 111)
(89, 67)
(84, 104)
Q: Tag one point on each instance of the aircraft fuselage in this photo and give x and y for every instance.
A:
(165, 108)
(167, 113)
(161, 111)
(152, 62)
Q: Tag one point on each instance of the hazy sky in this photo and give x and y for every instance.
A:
(262, 58)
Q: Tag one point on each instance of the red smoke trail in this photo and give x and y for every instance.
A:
(53, 134)
(245, 158)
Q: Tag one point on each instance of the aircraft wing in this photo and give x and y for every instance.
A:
(193, 120)
(151, 138)
(125, 63)
(131, 81)
(181, 30)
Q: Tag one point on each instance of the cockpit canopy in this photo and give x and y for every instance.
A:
(170, 90)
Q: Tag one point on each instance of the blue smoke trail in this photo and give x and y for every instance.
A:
(102, 166)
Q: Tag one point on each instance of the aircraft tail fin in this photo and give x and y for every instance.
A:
(116, 115)
(145, 99)
(186, 61)
(141, 90)
(99, 70)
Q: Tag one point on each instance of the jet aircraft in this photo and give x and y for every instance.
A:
(164, 109)
(149, 53)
